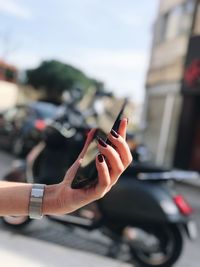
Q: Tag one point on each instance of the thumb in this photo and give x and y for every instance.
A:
(90, 138)
(71, 172)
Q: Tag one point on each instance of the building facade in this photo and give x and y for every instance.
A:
(176, 23)
(11, 92)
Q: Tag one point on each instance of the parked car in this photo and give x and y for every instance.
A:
(21, 125)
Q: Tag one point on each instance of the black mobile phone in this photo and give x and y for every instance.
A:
(87, 175)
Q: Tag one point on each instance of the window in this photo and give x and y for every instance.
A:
(186, 18)
(175, 22)
(197, 23)
(160, 29)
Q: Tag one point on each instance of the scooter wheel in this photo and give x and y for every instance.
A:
(15, 222)
(170, 245)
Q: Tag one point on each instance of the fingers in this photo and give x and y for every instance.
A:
(121, 147)
(103, 175)
(117, 158)
(109, 167)
(112, 158)
(122, 127)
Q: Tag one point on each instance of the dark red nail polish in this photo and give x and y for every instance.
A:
(100, 158)
(116, 135)
(101, 142)
(108, 142)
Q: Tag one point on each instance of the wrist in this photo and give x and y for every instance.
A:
(49, 201)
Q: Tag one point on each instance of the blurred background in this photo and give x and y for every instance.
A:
(72, 64)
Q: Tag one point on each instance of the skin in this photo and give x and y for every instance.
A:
(61, 198)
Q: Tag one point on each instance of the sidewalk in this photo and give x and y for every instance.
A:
(20, 251)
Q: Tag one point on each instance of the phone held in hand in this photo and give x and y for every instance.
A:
(87, 175)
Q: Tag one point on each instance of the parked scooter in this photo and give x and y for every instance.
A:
(142, 211)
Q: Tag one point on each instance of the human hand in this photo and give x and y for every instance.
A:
(110, 163)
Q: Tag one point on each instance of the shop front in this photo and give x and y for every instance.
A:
(187, 152)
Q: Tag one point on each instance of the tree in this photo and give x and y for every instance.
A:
(55, 77)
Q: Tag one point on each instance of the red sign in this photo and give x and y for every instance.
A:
(191, 78)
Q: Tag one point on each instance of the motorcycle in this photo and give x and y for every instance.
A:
(143, 211)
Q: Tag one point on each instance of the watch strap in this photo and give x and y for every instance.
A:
(36, 200)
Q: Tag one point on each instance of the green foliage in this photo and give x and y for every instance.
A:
(10, 75)
(55, 77)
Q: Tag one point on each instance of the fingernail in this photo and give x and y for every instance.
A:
(116, 135)
(100, 158)
(101, 142)
(127, 120)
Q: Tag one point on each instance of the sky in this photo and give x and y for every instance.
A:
(108, 40)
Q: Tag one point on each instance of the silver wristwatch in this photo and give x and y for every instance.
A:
(36, 199)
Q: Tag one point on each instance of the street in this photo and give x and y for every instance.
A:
(20, 251)
(95, 242)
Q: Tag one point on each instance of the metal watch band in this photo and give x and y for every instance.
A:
(36, 199)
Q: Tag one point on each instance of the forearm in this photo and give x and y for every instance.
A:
(15, 197)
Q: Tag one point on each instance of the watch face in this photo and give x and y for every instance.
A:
(37, 193)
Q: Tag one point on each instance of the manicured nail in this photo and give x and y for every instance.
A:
(100, 158)
(116, 135)
(108, 142)
(101, 142)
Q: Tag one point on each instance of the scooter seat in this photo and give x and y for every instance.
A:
(137, 168)
(177, 175)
